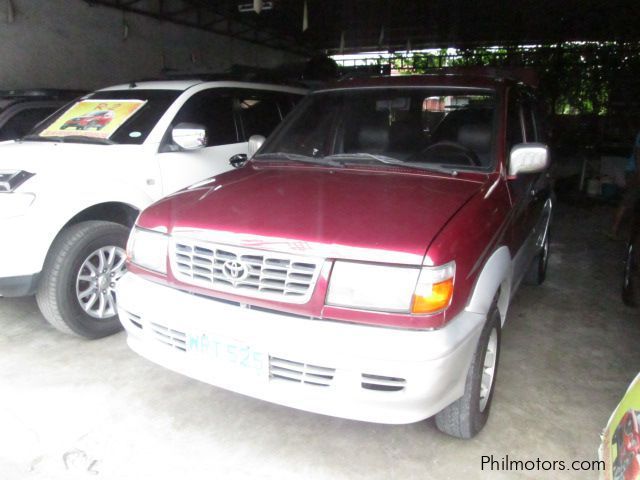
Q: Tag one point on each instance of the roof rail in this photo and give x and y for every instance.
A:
(525, 75)
(239, 73)
(42, 92)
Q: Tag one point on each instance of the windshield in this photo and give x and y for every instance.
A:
(115, 116)
(431, 128)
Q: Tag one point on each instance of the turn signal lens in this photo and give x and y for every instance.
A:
(434, 290)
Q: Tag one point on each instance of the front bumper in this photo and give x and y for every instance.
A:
(345, 370)
(24, 244)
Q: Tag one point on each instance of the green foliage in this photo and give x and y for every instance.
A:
(577, 78)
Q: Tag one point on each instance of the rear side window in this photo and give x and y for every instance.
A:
(23, 121)
(260, 113)
(214, 110)
(287, 101)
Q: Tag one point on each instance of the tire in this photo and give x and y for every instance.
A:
(631, 278)
(465, 417)
(538, 269)
(70, 275)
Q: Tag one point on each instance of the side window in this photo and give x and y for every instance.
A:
(259, 113)
(539, 123)
(23, 121)
(287, 102)
(214, 110)
(530, 134)
(514, 122)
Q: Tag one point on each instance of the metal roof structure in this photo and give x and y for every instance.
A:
(365, 25)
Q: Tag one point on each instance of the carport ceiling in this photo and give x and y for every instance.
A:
(390, 24)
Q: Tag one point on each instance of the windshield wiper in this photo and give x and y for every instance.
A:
(345, 157)
(298, 158)
(69, 139)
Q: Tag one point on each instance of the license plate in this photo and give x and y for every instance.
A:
(227, 354)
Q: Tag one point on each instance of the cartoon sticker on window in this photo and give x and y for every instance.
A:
(93, 118)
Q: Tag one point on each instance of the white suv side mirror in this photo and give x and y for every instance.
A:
(255, 142)
(189, 136)
(528, 158)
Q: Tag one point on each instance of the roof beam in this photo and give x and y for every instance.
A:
(249, 32)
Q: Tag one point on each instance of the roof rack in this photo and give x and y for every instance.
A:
(239, 73)
(527, 76)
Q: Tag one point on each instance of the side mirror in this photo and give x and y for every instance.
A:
(528, 158)
(255, 142)
(238, 160)
(189, 136)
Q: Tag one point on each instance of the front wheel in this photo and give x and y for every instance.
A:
(465, 417)
(76, 293)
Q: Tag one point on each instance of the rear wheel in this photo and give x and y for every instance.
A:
(538, 270)
(465, 417)
(77, 287)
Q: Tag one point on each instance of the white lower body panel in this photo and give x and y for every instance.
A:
(340, 369)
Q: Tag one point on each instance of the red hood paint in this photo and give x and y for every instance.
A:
(359, 213)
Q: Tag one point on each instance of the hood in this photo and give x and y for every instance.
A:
(331, 213)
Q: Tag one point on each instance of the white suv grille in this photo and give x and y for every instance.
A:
(243, 271)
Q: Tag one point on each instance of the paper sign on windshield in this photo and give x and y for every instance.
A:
(93, 118)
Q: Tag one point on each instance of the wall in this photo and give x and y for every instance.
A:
(70, 44)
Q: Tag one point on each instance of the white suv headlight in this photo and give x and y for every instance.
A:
(15, 204)
(420, 290)
(148, 249)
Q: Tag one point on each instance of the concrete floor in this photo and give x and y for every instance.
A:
(76, 409)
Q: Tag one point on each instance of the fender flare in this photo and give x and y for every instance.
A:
(495, 276)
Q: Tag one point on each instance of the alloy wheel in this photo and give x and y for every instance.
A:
(488, 369)
(97, 279)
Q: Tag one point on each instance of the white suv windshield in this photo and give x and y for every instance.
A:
(141, 110)
(422, 128)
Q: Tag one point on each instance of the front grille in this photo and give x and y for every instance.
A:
(288, 370)
(170, 337)
(381, 383)
(268, 275)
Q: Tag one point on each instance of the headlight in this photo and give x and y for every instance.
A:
(148, 249)
(15, 204)
(385, 288)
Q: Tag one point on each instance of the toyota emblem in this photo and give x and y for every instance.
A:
(235, 271)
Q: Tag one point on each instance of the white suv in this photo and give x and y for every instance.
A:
(70, 191)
